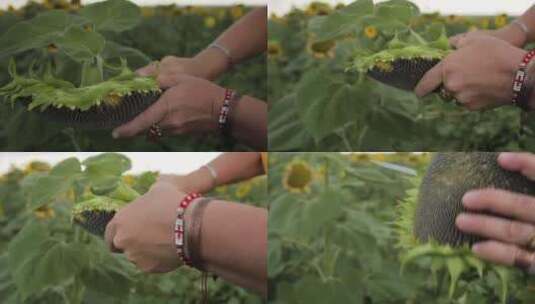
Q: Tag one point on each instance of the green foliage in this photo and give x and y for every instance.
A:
(45, 258)
(161, 31)
(321, 102)
(337, 242)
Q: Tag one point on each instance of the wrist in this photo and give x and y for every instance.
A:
(201, 180)
(213, 63)
(515, 35)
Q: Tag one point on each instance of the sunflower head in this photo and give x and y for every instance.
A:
(322, 49)
(243, 190)
(36, 166)
(44, 213)
(501, 20)
(484, 23)
(318, 9)
(274, 49)
(298, 177)
(370, 32)
(210, 22)
(237, 12)
(425, 227)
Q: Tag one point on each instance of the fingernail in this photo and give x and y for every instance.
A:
(476, 248)
(506, 156)
(469, 198)
(115, 134)
(461, 220)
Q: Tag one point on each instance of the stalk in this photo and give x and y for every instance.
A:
(92, 72)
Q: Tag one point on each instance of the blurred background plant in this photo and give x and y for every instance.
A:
(337, 241)
(165, 30)
(44, 258)
(317, 105)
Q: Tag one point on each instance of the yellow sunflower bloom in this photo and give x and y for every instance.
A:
(274, 49)
(36, 166)
(371, 32)
(360, 157)
(221, 190)
(378, 156)
(129, 180)
(298, 177)
(484, 23)
(44, 212)
(322, 49)
(209, 22)
(501, 20)
(147, 11)
(236, 12)
(243, 190)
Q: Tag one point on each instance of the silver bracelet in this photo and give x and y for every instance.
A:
(213, 173)
(522, 26)
(224, 50)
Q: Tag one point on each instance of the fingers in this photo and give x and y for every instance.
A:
(496, 228)
(431, 80)
(518, 162)
(505, 203)
(455, 39)
(154, 114)
(505, 254)
(109, 236)
(149, 70)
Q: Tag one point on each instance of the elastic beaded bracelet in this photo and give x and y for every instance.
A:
(224, 113)
(179, 226)
(519, 81)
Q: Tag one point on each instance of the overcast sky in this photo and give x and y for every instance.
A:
(513, 7)
(179, 163)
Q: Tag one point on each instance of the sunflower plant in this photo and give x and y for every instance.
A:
(46, 258)
(60, 38)
(350, 238)
(323, 100)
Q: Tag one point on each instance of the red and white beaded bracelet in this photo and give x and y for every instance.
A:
(179, 226)
(225, 109)
(520, 79)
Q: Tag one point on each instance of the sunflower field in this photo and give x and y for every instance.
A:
(337, 235)
(44, 258)
(162, 30)
(320, 102)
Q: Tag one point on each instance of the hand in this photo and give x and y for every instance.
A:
(143, 230)
(510, 33)
(479, 73)
(192, 106)
(511, 237)
(197, 181)
(208, 64)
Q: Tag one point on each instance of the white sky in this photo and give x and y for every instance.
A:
(468, 7)
(17, 3)
(461, 7)
(178, 163)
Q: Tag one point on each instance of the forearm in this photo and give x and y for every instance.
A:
(229, 168)
(233, 243)
(528, 18)
(249, 122)
(244, 39)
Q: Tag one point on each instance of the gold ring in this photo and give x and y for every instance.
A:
(155, 132)
(446, 94)
(531, 243)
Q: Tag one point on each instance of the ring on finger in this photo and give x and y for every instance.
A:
(525, 262)
(446, 94)
(155, 132)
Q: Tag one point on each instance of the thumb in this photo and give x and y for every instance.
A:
(154, 114)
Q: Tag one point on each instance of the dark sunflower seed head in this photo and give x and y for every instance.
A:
(103, 116)
(402, 73)
(94, 221)
(448, 178)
